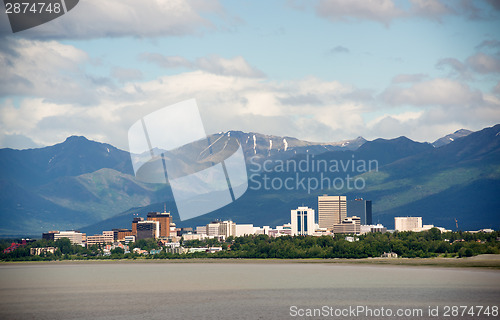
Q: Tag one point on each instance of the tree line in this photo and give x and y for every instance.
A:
(431, 243)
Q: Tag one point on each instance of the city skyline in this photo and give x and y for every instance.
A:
(160, 225)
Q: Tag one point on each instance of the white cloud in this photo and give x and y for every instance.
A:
(227, 101)
(496, 89)
(476, 65)
(378, 10)
(229, 98)
(126, 74)
(483, 63)
(166, 61)
(402, 78)
(45, 68)
(400, 117)
(440, 91)
(433, 9)
(230, 67)
(116, 18)
(250, 104)
(339, 49)
(236, 66)
(455, 64)
(385, 11)
(489, 44)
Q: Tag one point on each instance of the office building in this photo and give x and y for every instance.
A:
(201, 230)
(197, 236)
(212, 229)
(109, 236)
(74, 236)
(129, 239)
(182, 231)
(227, 228)
(120, 234)
(49, 235)
(218, 229)
(164, 219)
(104, 238)
(362, 209)
(95, 239)
(331, 210)
(302, 221)
(244, 230)
(134, 225)
(373, 228)
(348, 225)
(148, 229)
(408, 223)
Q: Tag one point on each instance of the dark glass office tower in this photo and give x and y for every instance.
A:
(362, 209)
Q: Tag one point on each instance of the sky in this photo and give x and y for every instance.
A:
(323, 71)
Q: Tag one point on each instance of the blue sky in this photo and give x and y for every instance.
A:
(323, 70)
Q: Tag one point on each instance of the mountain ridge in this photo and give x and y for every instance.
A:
(101, 186)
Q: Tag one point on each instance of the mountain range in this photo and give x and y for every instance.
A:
(90, 186)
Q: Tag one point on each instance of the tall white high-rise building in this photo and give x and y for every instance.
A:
(302, 221)
(408, 223)
(213, 229)
(331, 210)
(227, 228)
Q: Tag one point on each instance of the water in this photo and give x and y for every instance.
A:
(132, 290)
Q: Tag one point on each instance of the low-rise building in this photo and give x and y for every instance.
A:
(120, 234)
(244, 230)
(140, 251)
(106, 237)
(129, 239)
(45, 250)
(350, 225)
(75, 237)
(178, 250)
(373, 228)
(190, 236)
(414, 224)
(407, 223)
(193, 250)
(389, 255)
(49, 235)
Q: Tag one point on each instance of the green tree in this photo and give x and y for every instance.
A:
(64, 245)
(117, 250)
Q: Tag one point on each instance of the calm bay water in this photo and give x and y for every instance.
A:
(128, 290)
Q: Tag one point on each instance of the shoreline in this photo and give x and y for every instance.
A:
(487, 261)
